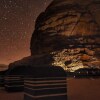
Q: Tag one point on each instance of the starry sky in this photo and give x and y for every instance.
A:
(17, 20)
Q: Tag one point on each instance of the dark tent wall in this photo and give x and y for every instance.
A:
(14, 79)
(2, 75)
(46, 83)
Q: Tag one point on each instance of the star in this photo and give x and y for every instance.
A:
(17, 22)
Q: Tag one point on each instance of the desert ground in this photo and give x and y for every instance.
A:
(83, 89)
(78, 89)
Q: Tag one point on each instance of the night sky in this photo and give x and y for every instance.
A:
(17, 20)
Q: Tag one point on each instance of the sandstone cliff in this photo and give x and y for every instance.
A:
(69, 30)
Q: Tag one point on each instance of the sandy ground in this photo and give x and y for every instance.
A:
(83, 89)
(11, 96)
(78, 89)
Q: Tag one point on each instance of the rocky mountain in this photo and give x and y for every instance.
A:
(67, 34)
(69, 30)
(65, 18)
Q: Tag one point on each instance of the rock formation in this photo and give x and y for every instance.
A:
(68, 32)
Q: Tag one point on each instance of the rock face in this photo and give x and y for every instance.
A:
(64, 18)
(69, 31)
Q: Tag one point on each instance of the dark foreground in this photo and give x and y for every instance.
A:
(78, 89)
(11, 96)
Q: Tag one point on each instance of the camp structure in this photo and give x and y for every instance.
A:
(45, 83)
(14, 79)
(2, 75)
